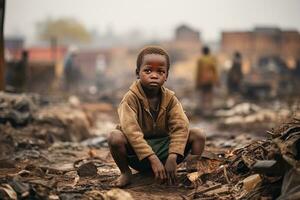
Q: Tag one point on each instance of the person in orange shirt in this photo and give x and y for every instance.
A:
(206, 79)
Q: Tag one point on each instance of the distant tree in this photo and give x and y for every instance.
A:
(65, 30)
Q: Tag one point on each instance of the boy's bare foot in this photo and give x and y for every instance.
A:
(123, 180)
(192, 162)
(191, 157)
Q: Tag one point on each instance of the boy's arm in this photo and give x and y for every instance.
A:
(178, 126)
(132, 130)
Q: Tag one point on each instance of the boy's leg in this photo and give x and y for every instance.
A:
(196, 141)
(196, 144)
(117, 146)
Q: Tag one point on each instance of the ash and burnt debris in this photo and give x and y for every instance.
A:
(266, 168)
(27, 122)
(44, 159)
(17, 109)
(253, 118)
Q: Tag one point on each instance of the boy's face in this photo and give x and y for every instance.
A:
(153, 72)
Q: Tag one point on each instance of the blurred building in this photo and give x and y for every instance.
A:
(185, 33)
(91, 63)
(268, 55)
(91, 60)
(186, 43)
(46, 54)
(32, 68)
(262, 42)
(45, 66)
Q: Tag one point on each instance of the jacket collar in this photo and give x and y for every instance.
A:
(137, 89)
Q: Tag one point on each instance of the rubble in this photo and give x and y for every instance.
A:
(67, 123)
(253, 118)
(17, 109)
(251, 182)
(99, 141)
(7, 192)
(54, 156)
(26, 124)
(87, 169)
(280, 153)
(291, 185)
(242, 109)
(117, 194)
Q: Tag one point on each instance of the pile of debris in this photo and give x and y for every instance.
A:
(62, 171)
(263, 168)
(43, 155)
(17, 109)
(267, 168)
(27, 123)
(45, 152)
(251, 117)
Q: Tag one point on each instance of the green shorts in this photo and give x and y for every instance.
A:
(160, 146)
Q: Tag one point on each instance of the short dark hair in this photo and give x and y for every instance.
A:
(151, 50)
(205, 50)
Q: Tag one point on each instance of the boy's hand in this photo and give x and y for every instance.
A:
(157, 167)
(171, 168)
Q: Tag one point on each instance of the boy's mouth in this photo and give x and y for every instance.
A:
(153, 84)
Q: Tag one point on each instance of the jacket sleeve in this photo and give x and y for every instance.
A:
(131, 129)
(178, 125)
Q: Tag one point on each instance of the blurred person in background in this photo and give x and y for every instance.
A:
(16, 75)
(235, 75)
(71, 72)
(206, 79)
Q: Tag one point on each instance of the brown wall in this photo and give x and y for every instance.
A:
(256, 44)
(237, 41)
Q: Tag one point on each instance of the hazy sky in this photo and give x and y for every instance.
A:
(156, 18)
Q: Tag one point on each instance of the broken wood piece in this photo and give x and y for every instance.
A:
(7, 192)
(221, 190)
(193, 176)
(53, 197)
(225, 174)
(205, 189)
(117, 194)
(251, 182)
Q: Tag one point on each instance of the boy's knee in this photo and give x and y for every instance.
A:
(197, 134)
(116, 138)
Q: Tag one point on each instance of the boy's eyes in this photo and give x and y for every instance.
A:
(147, 70)
(159, 71)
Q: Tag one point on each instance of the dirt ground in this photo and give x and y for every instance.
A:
(62, 153)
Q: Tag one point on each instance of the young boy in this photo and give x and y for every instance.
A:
(153, 132)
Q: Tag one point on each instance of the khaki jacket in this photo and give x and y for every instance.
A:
(137, 123)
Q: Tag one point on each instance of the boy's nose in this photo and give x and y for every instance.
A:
(154, 75)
